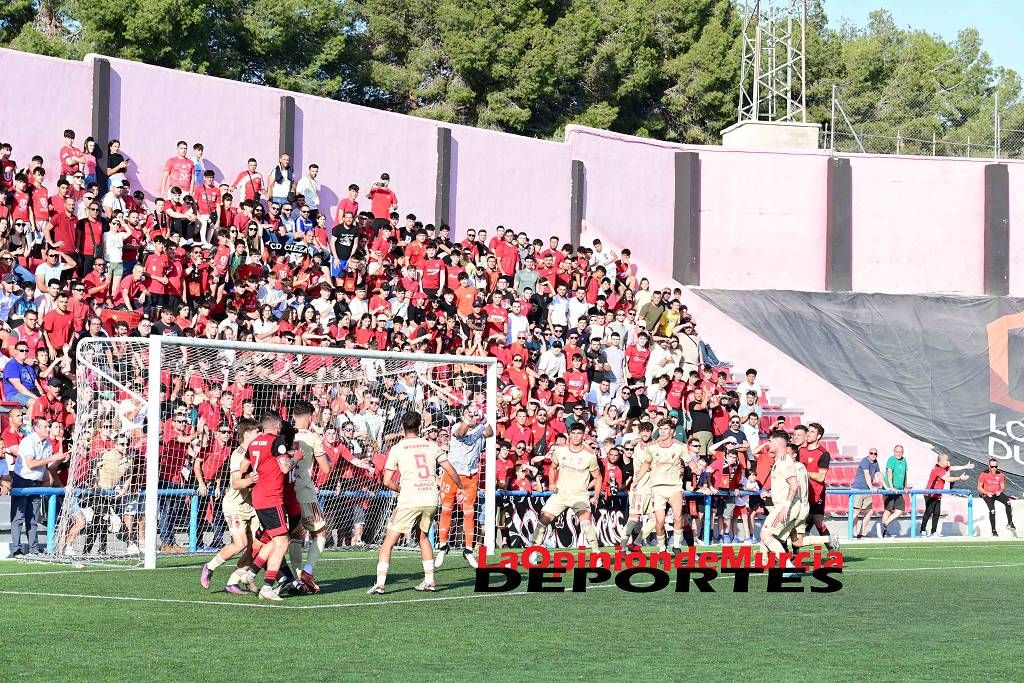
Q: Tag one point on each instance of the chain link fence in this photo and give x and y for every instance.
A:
(941, 124)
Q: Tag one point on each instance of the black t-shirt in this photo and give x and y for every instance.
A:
(172, 330)
(700, 419)
(114, 160)
(345, 240)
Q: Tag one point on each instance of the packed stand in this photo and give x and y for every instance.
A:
(580, 335)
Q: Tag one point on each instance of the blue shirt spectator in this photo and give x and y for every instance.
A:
(20, 378)
(867, 471)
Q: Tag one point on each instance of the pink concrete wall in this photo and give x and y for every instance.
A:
(762, 220)
(918, 224)
(1016, 229)
(521, 183)
(629, 199)
(152, 108)
(43, 96)
(356, 144)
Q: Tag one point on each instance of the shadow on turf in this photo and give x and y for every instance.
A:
(407, 579)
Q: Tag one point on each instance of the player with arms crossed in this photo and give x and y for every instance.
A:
(464, 450)
(787, 505)
(416, 461)
(311, 448)
(270, 459)
(641, 504)
(574, 471)
(665, 459)
(239, 513)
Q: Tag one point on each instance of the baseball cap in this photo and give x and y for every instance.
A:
(54, 382)
(11, 277)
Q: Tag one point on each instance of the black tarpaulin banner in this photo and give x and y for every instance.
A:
(947, 370)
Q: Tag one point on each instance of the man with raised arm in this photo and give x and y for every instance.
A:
(464, 450)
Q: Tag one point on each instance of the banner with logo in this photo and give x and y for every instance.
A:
(948, 370)
(517, 519)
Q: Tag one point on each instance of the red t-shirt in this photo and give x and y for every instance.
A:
(207, 199)
(253, 183)
(268, 491)
(636, 360)
(214, 458)
(91, 236)
(180, 172)
(575, 384)
(495, 327)
(66, 152)
(432, 270)
(95, 280)
(58, 327)
(991, 483)
(508, 257)
(936, 481)
(7, 169)
(157, 265)
(816, 460)
(173, 456)
(381, 201)
(41, 203)
(64, 227)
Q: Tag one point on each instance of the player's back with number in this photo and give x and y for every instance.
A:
(416, 461)
(268, 491)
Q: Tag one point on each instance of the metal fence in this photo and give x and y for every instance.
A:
(943, 124)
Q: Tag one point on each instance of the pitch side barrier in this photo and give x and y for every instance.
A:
(53, 494)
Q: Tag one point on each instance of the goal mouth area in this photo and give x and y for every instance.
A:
(149, 412)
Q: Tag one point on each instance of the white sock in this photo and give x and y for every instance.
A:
(428, 570)
(214, 562)
(382, 572)
(315, 548)
(234, 578)
(661, 542)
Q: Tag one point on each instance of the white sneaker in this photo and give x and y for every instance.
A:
(470, 558)
(71, 551)
(375, 590)
(268, 593)
(132, 548)
(924, 534)
(833, 542)
(429, 587)
(442, 550)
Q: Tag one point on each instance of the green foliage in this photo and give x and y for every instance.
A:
(661, 68)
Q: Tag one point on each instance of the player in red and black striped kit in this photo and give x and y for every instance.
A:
(816, 459)
(270, 456)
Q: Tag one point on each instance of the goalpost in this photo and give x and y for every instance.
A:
(160, 414)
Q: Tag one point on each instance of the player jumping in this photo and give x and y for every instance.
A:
(574, 471)
(416, 460)
(464, 450)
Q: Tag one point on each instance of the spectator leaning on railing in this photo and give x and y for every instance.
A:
(937, 479)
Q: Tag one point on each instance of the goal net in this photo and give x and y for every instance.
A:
(162, 414)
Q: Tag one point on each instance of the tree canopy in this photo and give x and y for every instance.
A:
(661, 68)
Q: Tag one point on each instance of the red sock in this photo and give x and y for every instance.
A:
(270, 578)
(822, 529)
(258, 563)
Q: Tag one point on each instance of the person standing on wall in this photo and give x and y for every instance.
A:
(281, 181)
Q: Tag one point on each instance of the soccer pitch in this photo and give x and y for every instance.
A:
(924, 611)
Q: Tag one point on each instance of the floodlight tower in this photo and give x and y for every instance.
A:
(773, 73)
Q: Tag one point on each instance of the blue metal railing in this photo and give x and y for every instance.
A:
(53, 494)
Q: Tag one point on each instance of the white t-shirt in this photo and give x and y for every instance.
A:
(309, 188)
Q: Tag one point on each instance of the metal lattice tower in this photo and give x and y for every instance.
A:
(773, 73)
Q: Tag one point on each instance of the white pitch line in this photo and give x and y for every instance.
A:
(441, 598)
(177, 566)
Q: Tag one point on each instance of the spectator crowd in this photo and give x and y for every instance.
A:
(579, 334)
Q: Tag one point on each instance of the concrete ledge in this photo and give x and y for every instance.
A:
(771, 135)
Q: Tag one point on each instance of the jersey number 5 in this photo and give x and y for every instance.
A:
(421, 466)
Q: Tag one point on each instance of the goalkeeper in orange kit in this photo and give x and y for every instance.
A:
(464, 450)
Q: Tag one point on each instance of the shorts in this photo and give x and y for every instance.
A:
(312, 517)
(862, 501)
(778, 524)
(662, 494)
(817, 507)
(115, 269)
(338, 267)
(560, 502)
(403, 519)
(725, 505)
(641, 503)
(274, 521)
(241, 525)
(739, 511)
(449, 490)
(894, 502)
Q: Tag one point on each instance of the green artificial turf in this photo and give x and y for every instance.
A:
(925, 611)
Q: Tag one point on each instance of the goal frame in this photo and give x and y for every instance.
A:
(156, 345)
